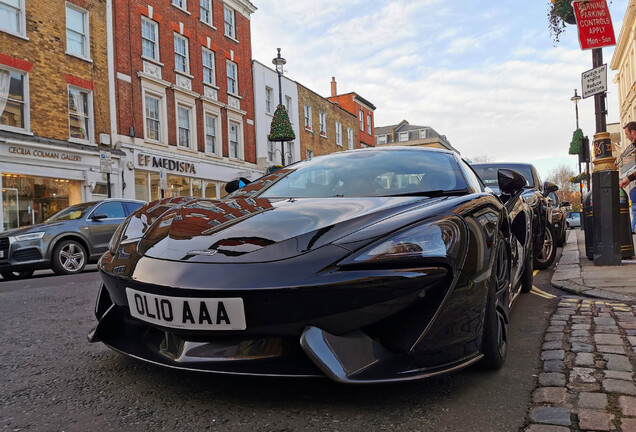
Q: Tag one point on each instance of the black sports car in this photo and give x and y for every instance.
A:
(364, 266)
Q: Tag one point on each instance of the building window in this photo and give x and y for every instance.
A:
(153, 118)
(12, 17)
(209, 77)
(268, 99)
(206, 11)
(307, 117)
(181, 4)
(339, 134)
(288, 107)
(14, 100)
(234, 140)
(361, 116)
(77, 40)
(184, 124)
(232, 72)
(289, 156)
(149, 38)
(270, 151)
(369, 124)
(230, 28)
(404, 136)
(181, 62)
(80, 114)
(350, 138)
(309, 154)
(322, 119)
(423, 134)
(382, 139)
(210, 134)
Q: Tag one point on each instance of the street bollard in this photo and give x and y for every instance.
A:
(588, 225)
(627, 244)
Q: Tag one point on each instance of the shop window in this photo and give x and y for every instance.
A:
(178, 186)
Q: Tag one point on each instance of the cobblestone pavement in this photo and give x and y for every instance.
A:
(587, 379)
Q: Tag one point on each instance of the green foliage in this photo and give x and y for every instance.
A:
(575, 146)
(560, 13)
(281, 128)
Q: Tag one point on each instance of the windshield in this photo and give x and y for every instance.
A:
(488, 174)
(364, 173)
(71, 213)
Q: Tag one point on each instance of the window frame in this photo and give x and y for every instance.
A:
(361, 117)
(86, 52)
(158, 120)
(186, 55)
(339, 134)
(232, 122)
(155, 43)
(369, 124)
(232, 25)
(26, 110)
(189, 109)
(322, 122)
(232, 78)
(209, 114)
(212, 68)
(350, 144)
(180, 4)
(307, 114)
(268, 99)
(90, 115)
(21, 19)
(209, 10)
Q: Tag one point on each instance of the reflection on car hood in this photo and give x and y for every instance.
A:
(34, 228)
(259, 229)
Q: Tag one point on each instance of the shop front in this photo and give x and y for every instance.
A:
(184, 176)
(38, 180)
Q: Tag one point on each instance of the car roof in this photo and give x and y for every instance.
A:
(502, 164)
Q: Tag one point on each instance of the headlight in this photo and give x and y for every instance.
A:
(438, 239)
(27, 237)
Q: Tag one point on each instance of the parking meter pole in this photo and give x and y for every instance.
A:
(108, 181)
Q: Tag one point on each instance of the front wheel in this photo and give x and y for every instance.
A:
(494, 343)
(13, 275)
(69, 257)
(545, 258)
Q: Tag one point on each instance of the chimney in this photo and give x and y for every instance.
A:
(334, 87)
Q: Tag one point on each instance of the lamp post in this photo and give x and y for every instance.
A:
(576, 98)
(279, 62)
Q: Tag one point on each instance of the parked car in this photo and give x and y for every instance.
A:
(372, 265)
(535, 194)
(573, 219)
(66, 241)
(559, 212)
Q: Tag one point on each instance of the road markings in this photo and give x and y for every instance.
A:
(540, 293)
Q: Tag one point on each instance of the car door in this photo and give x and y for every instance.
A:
(102, 229)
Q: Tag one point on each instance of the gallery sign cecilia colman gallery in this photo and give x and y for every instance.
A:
(594, 23)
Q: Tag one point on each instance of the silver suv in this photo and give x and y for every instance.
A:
(66, 241)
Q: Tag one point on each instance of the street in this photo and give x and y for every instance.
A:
(54, 380)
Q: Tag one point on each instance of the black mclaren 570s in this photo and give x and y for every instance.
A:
(365, 266)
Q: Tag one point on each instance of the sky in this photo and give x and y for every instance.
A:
(485, 74)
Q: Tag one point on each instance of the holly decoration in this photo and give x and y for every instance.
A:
(281, 128)
(575, 146)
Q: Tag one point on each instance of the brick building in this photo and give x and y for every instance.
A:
(326, 127)
(406, 134)
(184, 95)
(362, 109)
(54, 106)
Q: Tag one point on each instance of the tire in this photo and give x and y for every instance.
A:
(528, 272)
(69, 257)
(494, 344)
(546, 256)
(13, 275)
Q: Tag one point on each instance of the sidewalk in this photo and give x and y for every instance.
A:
(577, 274)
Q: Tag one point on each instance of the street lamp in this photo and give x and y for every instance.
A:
(279, 62)
(576, 98)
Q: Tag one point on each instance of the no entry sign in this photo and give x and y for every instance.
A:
(594, 23)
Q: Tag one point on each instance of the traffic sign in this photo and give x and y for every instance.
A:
(594, 23)
(105, 165)
(594, 81)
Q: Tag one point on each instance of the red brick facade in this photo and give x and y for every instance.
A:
(132, 68)
(362, 109)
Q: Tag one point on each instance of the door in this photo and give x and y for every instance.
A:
(102, 229)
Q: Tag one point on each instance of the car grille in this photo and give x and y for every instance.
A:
(29, 254)
(4, 247)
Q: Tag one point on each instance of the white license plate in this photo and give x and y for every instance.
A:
(192, 313)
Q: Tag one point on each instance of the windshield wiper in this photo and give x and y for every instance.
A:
(430, 193)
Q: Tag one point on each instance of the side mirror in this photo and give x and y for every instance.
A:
(236, 184)
(549, 187)
(510, 181)
(99, 215)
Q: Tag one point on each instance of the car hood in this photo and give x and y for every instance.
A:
(261, 230)
(34, 228)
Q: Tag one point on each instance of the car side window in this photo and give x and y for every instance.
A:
(132, 206)
(113, 209)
